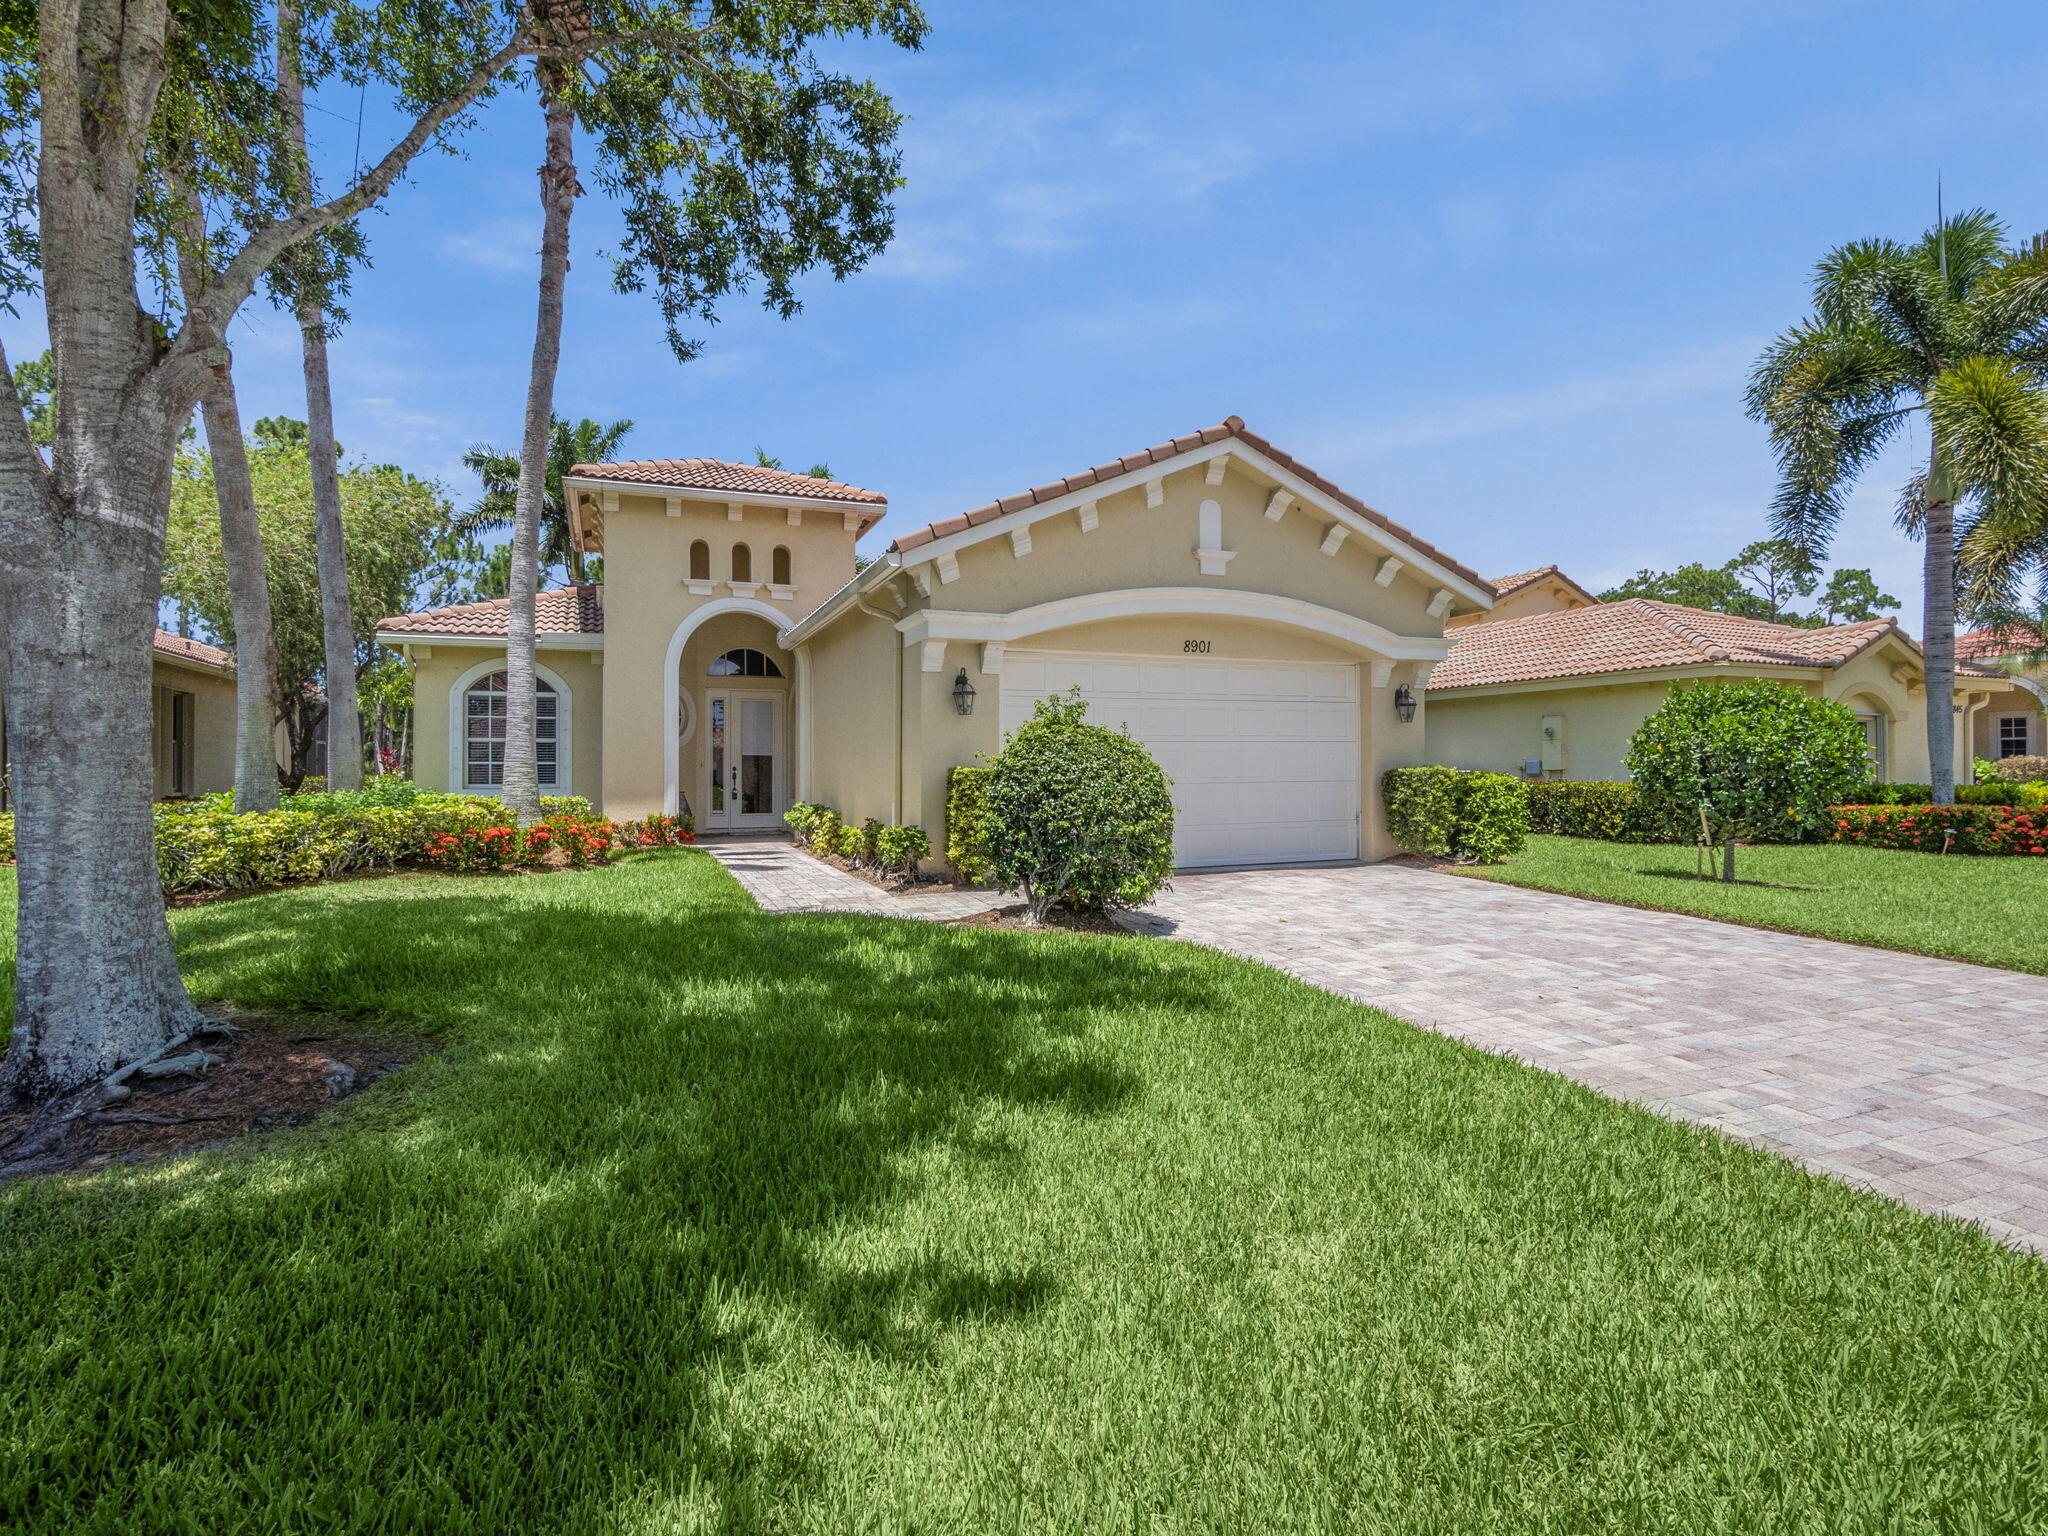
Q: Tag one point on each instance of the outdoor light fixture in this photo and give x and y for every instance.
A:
(1404, 703)
(963, 693)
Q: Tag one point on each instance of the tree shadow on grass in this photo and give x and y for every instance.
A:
(1693, 877)
(511, 1289)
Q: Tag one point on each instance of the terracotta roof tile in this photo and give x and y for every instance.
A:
(1989, 644)
(168, 644)
(1636, 634)
(563, 611)
(1232, 426)
(718, 475)
(1503, 585)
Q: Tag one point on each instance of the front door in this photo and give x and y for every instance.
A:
(746, 760)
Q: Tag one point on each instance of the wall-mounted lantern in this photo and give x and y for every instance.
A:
(963, 693)
(1404, 704)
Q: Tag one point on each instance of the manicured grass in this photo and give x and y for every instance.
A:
(1993, 911)
(711, 1221)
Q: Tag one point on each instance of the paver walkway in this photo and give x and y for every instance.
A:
(783, 878)
(1925, 1080)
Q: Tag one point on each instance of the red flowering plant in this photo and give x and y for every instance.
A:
(580, 840)
(659, 832)
(471, 849)
(1987, 829)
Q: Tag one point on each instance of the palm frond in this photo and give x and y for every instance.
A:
(1971, 244)
(1846, 279)
(1991, 422)
(2012, 306)
(1830, 396)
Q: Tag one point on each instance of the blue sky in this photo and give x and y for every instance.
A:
(1497, 269)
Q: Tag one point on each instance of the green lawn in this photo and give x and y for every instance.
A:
(1993, 911)
(712, 1221)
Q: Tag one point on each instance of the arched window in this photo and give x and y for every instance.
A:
(700, 561)
(778, 566)
(745, 663)
(742, 563)
(483, 711)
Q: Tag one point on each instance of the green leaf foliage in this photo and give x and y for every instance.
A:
(1608, 810)
(1078, 815)
(1456, 812)
(1760, 759)
(967, 828)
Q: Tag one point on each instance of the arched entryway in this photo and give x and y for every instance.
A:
(732, 737)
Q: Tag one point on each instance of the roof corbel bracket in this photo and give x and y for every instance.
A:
(734, 511)
(1389, 569)
(1334, 539)
(932, 655)
(851, 521)
(1440, 602)
(1091, 517)
(922, 582)
(796, 517)
(992, 657)
(1155, 492)
(1213, 475)
(1020, 542)
(1382, 673)
(1277, 504)
(949, 568)
(673, 505)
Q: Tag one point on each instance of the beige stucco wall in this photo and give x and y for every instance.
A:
(1499, 729)
(1132, 547)
(437, 750)
(647, 597)
(212, 759)
(2010, 699)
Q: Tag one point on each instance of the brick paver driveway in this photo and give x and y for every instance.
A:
(1926, 1080)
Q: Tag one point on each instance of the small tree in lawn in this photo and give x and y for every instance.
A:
(1078, 815)
(1758, 760)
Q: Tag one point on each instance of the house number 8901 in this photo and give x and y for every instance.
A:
(1195, 647)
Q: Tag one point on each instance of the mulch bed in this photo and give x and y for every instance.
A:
(895, 885)
(272, 1073)
(1014, 917)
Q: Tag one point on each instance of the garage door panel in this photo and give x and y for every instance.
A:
(1263, 755)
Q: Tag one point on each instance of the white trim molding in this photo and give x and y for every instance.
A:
(458, 728)
(400, 640)
(608, 496)
(672, 682)
(936, 624)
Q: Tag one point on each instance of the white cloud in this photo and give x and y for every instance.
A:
(500, 245)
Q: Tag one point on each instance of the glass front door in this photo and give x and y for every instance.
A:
(743, 748)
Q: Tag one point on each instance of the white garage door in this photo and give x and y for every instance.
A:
(1263, 755)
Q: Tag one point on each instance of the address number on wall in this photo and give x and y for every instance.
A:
(1195, 647)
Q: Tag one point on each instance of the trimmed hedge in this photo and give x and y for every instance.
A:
(2022, 769)
(1458, 811)
(871, 845)
(1983, 829)
(1608, 810)
(967, 825)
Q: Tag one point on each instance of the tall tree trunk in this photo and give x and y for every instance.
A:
(81, 557)
(330, 551)
(558, 192)
(1938, 646)
(241, 543)
(1938, 619)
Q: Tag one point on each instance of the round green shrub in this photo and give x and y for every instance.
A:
(1760, 760)
(1077, 815)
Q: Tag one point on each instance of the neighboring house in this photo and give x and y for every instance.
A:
(1525, 593)
(1264, 632)
(192, 719)
(1557, 689)
(2015, 722)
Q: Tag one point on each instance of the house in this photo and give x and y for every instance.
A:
(1266, 633)
(1553, 683)
(2015, 722)
(192, 719)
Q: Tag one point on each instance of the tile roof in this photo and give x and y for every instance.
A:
(1635, 634)
(717, 475)
(1503, 585)
(563, 611)
(168, 644)
(1989, 644)
(1231, 426)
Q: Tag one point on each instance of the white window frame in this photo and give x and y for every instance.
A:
(458, 731)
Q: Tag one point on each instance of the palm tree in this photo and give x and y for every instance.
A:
(569, 443)
(1953, 328)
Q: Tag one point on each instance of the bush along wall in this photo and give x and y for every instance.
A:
(1608, 810)
(873, 845)
(967, 828)
(1981, 829)
(1456, 812)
